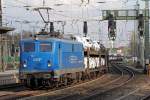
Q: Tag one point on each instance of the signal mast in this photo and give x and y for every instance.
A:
(111, 30)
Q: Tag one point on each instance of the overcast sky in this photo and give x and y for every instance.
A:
(73, 12)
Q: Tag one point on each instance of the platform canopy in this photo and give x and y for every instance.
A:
(4, 30)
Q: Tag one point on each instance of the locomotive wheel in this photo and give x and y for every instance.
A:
(33, 83)
(36, 83)
(43, 83)
(28, 83)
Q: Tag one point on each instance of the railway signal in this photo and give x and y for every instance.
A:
(141, 25)
(51, 27)
(111, 27)
(85, 28)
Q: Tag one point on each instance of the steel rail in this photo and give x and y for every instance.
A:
(4, 87)
(146, 98)
(134, 91)
(62, 89)
(97, 94)
(110, 82)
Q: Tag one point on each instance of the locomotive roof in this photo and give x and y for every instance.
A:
(51, 39)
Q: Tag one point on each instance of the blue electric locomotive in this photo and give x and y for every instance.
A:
(50, 61)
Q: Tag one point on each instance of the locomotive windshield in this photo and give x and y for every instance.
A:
(28, 47)
(45, 47)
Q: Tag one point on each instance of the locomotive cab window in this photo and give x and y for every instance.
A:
(29, 47)
(45, 47)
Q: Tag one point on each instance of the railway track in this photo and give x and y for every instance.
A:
(96, 95)
(146, 97)
(135, 89)
(108, 93)
(106, 87)
(80, 90)
(22, 92)
(10, 86)
(138, 93)
(30, 94)
(54, 94)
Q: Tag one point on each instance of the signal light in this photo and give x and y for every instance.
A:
(85, 28)
(111, 27)
(51, 27)
(24, 64)
(141, 24)
(141, 33)
(49, 64)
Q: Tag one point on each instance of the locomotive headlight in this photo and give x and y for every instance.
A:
(24, 64)
(49, 64)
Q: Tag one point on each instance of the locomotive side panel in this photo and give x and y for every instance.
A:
(71, 58)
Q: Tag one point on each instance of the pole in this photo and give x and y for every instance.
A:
(146, 32)
(138, 48)
(141, 44)
(99, 55)
(1, 49)
(63, 27)
(43, 3)
(0, 12)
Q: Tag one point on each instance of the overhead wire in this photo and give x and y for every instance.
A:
(54, 9)
(14, 6)
(55, 12)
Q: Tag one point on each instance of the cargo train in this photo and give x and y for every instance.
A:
(53, 62)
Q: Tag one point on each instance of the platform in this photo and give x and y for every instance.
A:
(9, 72)
(8, 77)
